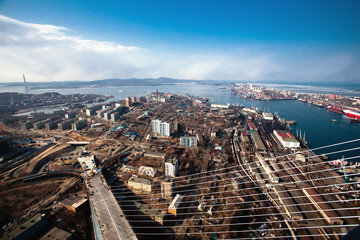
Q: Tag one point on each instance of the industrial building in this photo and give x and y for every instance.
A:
(289, 206)
(259, 145)
(220, 106)
(287, 139)
(171, 167)
(324, 208)
(267, 116)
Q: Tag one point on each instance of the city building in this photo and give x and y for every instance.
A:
(79, 125)
(171, 167)
(107, 114)
(66, 125)
(161, 128)
(142, 99)
(164, 129)
(287, 139)
(188, 141)
(91, 111)
(114, 116)
(155, 155)
(155, 124)
(155, 214)
(100, 113)
(70, 115)
(139, 183)
(52, 125)
(74, 204)
(174, 206)
(167, 188)
(149, 171)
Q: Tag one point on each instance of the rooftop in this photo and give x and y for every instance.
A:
(73, 201)
(176, 202)
(135, 178)
(172, 160)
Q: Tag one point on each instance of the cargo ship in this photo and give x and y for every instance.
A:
(318, 104)
(352, 113)
(335, 109)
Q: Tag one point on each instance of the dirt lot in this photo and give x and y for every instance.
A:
(18, 198)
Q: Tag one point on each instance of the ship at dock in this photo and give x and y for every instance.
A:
(352, 114)
(336, 109)
(318, 104)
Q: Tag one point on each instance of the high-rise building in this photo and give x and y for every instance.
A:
(164, 129)
(155, 126)
(171, 167)
(161, 128)
(188, 141)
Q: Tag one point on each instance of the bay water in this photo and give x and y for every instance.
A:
(317, 123)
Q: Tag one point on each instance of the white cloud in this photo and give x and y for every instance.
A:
(51, 53)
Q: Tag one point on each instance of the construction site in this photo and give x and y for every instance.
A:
(168, 166)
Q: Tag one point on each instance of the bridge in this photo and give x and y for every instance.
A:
(109, 221)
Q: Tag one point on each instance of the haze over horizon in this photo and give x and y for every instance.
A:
(255, 41)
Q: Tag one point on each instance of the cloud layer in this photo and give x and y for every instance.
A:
(51, 53)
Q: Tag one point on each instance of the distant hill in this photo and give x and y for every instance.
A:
(114, 82)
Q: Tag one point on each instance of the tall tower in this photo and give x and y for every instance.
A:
(26, 87)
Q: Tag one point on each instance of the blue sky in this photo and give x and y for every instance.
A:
(290, 41)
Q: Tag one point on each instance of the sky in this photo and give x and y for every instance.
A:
(255, 41)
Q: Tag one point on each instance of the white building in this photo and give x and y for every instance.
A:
(173, 208)
(188, 141)
(161, 128)
(165, 129)
(286, 139)
(149, 171)
(220, 106)
(267, 116)
(171, 167)
(156, 125)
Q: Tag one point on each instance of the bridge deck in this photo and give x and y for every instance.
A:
(111, 219)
